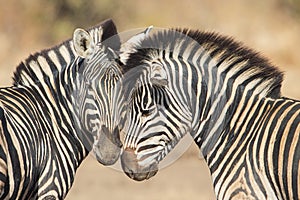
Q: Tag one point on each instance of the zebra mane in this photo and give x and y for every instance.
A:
(46, 63)
(178, 40)
(36, 67)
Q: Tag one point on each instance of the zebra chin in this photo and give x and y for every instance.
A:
(133, 169)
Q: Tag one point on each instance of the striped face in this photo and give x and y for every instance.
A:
(99, 102)
(155, 122)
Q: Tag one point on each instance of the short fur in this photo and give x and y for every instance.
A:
(208, 40)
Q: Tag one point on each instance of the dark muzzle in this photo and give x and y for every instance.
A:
(133, 170)
(108, 147)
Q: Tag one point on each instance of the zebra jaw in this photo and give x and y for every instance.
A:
(133, 169)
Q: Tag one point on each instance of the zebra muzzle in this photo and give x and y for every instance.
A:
(107, 147)
(133, 169)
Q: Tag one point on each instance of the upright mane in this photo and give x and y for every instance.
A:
(34, 69)
(178, 40)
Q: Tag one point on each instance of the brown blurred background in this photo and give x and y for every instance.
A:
(270, 26)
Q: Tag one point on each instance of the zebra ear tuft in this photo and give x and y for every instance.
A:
(158, 75)
(83, 43)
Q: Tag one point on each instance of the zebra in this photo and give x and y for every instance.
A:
(63, 104)
(227, 97)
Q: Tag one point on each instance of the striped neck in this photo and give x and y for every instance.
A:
(229, 76)
(227, 122)
(52, 76)
(46, 65)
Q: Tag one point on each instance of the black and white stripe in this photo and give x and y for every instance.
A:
(53, 115)
(228, 98)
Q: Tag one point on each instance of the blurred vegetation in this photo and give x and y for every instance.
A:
(270, 26)
(58, 17)
(292, 6)
(55, 19)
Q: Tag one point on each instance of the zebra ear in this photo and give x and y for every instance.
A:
(133, 43)
(139, 37)
(158, 75)
(83, 43)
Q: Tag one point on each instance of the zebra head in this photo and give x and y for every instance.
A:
(98, 100)
(156, 117)
(183, 81)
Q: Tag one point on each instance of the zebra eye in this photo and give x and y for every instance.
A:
(147, 112)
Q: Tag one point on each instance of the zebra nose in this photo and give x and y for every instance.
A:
(108, 146)
(133, 169)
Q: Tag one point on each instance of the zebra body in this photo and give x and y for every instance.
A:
(52, 116)
(228, 98)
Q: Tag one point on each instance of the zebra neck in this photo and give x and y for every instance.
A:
(232, 124)
(222, 83)
(45, 66)
(231, 145)
(51, 76)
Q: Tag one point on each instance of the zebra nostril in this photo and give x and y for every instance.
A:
(130, 173)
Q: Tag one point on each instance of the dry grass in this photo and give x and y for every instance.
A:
(266, 26)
